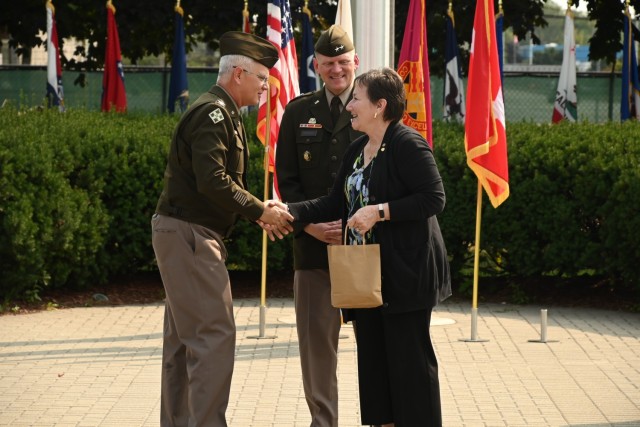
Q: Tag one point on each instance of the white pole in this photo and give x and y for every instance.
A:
(474, 324)
(543, 328)
(543, 325)
(373, 38)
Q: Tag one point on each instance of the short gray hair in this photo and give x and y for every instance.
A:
(227, 63)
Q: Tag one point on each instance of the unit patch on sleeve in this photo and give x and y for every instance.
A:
(216, 115)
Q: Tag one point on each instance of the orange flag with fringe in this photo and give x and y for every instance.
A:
(413, 67)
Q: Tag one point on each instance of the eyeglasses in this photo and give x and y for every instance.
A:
(263, 79)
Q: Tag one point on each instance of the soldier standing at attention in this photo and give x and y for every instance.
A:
(314, 134)
(204, 195)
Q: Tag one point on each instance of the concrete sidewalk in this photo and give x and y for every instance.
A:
(101, 367)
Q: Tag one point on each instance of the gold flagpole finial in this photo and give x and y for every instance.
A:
(49, 5)
(306, 9)
(245, 11)
(450, 13)
(500, 6)
(111, 6)
(178, 9)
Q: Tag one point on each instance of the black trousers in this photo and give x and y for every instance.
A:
(397, 369)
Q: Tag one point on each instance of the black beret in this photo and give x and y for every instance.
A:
(333, 42)
(254, 47)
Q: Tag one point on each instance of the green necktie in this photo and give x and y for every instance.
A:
(335, 109)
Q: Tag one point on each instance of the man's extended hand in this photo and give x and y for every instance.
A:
(327, 232)
(276, 219)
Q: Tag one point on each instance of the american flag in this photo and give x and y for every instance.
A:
(283, 77)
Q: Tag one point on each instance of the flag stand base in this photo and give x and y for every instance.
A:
(474, 328)
(263, 317)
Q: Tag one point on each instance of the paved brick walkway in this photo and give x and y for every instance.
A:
(101, 367)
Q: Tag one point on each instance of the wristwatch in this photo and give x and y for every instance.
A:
(381, 211)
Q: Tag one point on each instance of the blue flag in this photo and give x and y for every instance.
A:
(178, 88)
(307, 73)
(499, 30)
(630, 99)
(453, 102)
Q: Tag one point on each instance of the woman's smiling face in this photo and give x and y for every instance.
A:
(362, 109)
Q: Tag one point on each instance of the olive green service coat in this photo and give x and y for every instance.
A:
(204, 182)
(309, 153)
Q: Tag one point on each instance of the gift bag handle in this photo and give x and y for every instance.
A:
(364, 236)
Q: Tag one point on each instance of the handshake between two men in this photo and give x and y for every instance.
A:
(276, 219)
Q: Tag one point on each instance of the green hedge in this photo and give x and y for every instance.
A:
(77, 191)
(574, 205)
(76, 195)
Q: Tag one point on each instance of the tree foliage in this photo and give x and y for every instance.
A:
(146, 27)
(608, 16)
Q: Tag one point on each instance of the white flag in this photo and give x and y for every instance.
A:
(566, 102)
(343, 17)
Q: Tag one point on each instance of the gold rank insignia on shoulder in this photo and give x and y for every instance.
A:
(307, 156)
(216, 115)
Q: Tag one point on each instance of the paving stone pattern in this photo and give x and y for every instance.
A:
(101, 367)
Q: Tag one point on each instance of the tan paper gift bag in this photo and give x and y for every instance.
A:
(355, 275)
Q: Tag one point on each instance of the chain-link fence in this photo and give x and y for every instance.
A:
(528, 96)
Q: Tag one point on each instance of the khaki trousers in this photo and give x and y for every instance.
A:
(199, 327)
(318, 325)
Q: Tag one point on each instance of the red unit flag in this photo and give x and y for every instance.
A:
(485, 136)
(113, 93)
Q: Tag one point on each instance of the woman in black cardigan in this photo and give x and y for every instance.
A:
(389, 191)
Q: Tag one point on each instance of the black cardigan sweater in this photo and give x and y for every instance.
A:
(415, 270)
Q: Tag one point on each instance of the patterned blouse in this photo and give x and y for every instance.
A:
(356, 190)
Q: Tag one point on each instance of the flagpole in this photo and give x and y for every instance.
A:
(476, 268)
(263, 275)
(476, 255)
(283, 79)
(485, 137)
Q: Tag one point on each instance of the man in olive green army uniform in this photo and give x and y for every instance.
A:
(204, 194)
(314, 133)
